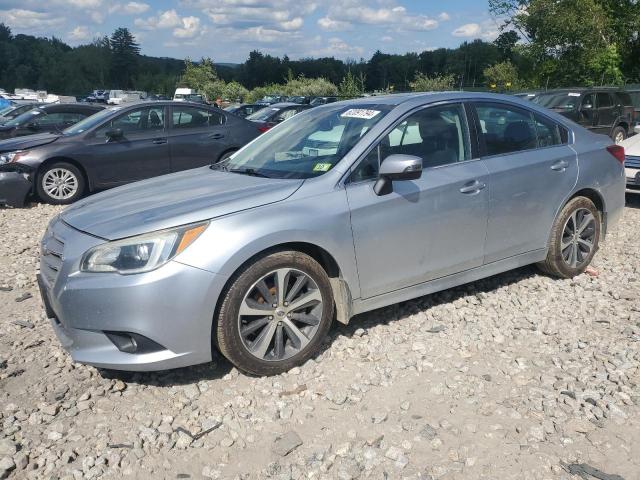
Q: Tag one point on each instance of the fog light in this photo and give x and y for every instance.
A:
(133, 343)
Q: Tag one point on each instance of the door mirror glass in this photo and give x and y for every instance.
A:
(397, 167)
(587, 106)
(114, 134)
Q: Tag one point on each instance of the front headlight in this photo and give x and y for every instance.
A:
(142, 253)
(11, 157)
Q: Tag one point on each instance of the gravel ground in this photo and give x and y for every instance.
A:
(519, 376)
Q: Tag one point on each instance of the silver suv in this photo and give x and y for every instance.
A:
(340, 210)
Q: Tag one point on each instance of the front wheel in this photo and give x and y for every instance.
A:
(575, 237)
(275, 314)
(60, 183)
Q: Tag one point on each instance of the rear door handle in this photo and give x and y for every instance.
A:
(159, 141)
(472, 187)
(560, 166)
(216, 136)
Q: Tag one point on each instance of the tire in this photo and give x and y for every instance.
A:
(226, 155)
(618, 134)
(250, 289)
(561, 262)
(69, 175)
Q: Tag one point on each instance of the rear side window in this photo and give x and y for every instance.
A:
(604, 100)
(193, 117)
(506, 129)
(624, 99)
(548, 132)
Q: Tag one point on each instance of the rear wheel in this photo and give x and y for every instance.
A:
(575, 236)
(618, 135)
(275, 314)
(60, 183)
(226, 155)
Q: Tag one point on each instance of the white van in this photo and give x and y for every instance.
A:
(182, 93)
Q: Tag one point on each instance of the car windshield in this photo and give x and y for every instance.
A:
(25, 118)
(566, 101)
(263, 114)
(90, 122)
(5, 110)
(309, 146)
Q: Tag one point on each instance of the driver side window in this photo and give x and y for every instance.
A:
(139, 120)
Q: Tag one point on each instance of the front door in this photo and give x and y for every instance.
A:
(142, 151)
(427, 228)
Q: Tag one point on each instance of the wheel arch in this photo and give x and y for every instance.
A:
(57, 159)
(340, 288)
(597, 199)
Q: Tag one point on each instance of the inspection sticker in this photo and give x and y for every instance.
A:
(360, 113)
(574, 94)
(321, 167)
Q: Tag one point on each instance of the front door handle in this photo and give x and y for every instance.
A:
(473, 187)
(560, 166)
(216, 136)
(159, 141)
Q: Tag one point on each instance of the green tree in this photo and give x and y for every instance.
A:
(199, 76)
(502, 76)
(436, 83)
(125, 51)
(349, 87)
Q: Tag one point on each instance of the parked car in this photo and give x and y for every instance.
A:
(526, 95)
(12, 111)
(632, 163)
(258, 254)
(116, 146)
(117, 97)
(272, 115)
(181, 93)
(323, 101)
(245, 109)
(635, 100)
(299, 99)
(272, 98)
(98, 96)
(47, 118)
(157, 97)
(602, 110)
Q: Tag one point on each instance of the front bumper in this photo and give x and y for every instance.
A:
(15, 187)
(632, 174)
(172, 306)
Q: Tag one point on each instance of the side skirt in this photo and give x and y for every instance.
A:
(450, 281)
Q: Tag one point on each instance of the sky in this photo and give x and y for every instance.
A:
(227, 30)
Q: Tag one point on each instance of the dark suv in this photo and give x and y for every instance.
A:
(602, 110)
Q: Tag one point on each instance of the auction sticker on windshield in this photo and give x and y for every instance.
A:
(360, 113)
(321, 167)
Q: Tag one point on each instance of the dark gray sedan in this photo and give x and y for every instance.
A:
(119, 145)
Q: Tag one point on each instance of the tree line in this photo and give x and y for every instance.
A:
(542, 44)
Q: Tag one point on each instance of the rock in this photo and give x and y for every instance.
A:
(119, 386)
(398, 456)
(286, 443)
(579, 425)
(7, 447)
(6, 466)
(379, 417)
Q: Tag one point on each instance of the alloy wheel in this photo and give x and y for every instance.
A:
(578, 237)
(619, 138)
(280, 314)
(60, 183)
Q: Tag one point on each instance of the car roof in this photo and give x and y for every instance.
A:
(284, 104)
(69, 107)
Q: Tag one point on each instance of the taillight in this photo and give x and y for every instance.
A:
(617, 151)
(264, 128)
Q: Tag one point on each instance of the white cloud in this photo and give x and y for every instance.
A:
(135, 8)
(167, 19)
(487, 31)
(293, 24)
(387, 38)
(444, 16)
(30, 20)
(190, 28)
(332, 25)
(85, 3)
(79, 34)
(355, 11)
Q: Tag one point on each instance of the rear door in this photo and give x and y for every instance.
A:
(588, 111)
(142, 151)
(607, 113)
(531, 170)
(198, 136)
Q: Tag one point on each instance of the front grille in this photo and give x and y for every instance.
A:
(51, 254)
(632, 161)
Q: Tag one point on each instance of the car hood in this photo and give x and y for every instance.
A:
(26, 142)
(172, 200)
(632, 146)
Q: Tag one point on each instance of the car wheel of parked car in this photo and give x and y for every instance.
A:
(275, 314)
(226, 155)
(618, 135)
(60, 183)
(574, 239)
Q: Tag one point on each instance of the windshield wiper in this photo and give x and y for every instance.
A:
(219, 166)
(249, 171)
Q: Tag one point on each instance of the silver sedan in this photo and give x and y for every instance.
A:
(340, 210)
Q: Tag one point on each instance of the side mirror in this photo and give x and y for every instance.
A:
(396, 168)
(114, 134)
(587, 106)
